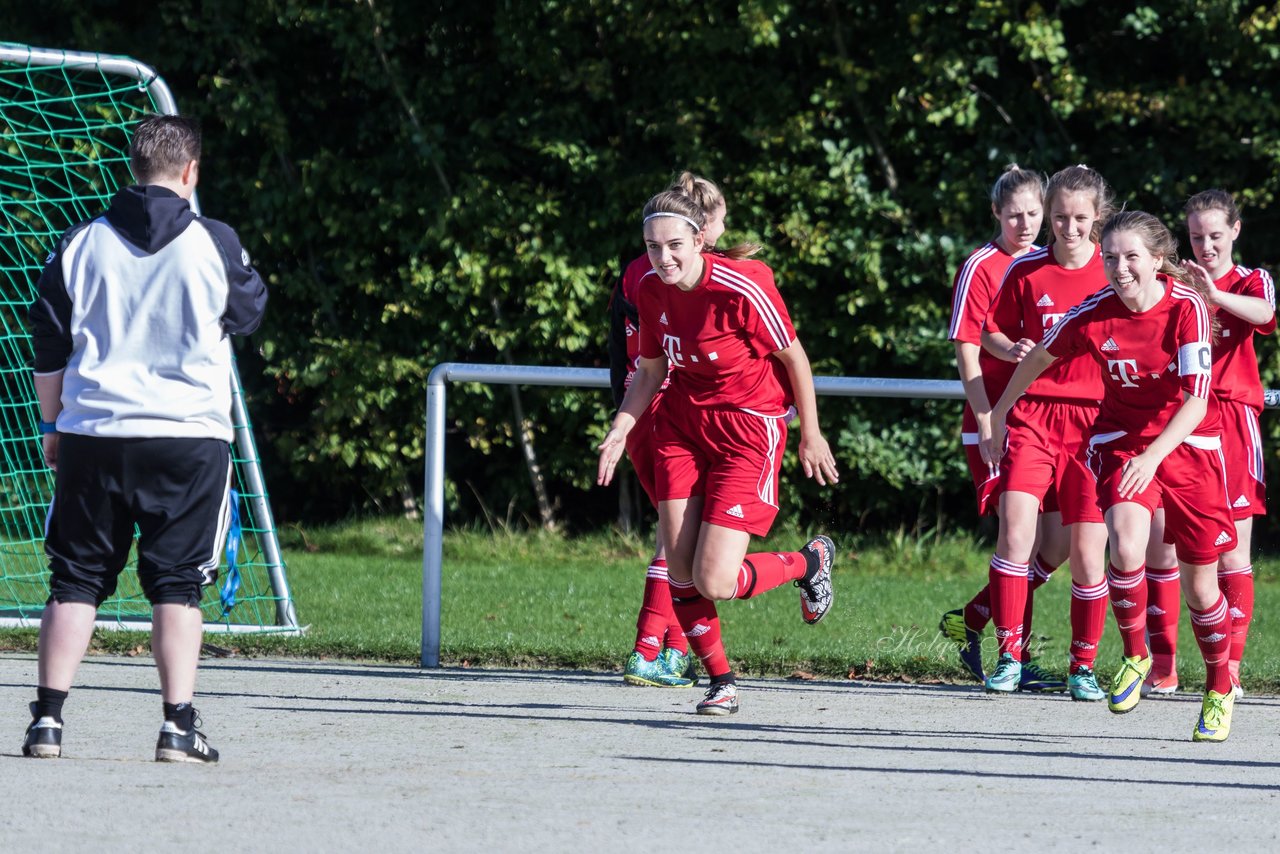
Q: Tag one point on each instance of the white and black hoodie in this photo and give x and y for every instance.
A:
(135, 308)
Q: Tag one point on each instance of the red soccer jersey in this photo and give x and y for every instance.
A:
(1037, 293)
(718, 337)
(1235, 364)
(976, 284)
(1148, 360)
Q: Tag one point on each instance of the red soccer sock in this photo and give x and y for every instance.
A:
(1237, 586)
(978, 612)
(1164, 601)
(764, 571)
(1088, 619)
(1037, 575)
(1008, 584)
(1212, 628)
(1129, 604)
(701, 626)
(656, 613)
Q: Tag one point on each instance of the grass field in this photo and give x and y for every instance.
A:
(542, 600)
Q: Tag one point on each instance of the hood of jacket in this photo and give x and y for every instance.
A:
(149, 217)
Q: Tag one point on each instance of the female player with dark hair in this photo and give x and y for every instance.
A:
(1017, 203)
(1047, 430)
(738, 372)
(1245, 303)
(1157, 441)
(660, 657)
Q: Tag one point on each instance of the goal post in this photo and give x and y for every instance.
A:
(66, 119)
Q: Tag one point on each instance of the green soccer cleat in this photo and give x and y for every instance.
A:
(680, 668)
(1215, 717)
(1126, 685)
(1034, 679)
(1006, 677)
(967, 641)
(652, 674)
(1084, 687)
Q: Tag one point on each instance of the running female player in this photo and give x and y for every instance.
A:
(719, 323)
(1046, 432)
(660, 657)
(1017, 203)
(1157, 441)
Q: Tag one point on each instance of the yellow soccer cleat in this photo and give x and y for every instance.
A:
(1126, 685)
(1215, 717)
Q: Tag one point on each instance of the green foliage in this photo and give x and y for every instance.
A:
(447, 182)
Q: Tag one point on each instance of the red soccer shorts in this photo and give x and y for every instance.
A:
(1045, 455)
(1242, 453)
(1191, 486)
(640, 444)
(732, 459)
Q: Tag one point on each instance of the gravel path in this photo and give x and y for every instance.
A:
(328, 756)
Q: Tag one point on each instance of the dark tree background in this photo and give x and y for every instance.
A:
(426, 182)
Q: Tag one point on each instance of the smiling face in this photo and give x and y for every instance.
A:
(675, 250)
(1020, 221)
(1131, 269)
(1212, 240)
(1072, 215)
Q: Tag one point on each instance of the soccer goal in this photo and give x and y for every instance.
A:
(65, 125)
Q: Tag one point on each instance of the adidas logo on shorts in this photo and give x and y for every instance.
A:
(1109, 346)
(1241, 502)
(735, 511)
(1224, 537)
(1044, 302)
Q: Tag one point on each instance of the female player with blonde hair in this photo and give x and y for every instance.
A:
(738, 373)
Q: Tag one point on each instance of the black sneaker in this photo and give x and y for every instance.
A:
(44, 737)
(174, 745)
(816, 592)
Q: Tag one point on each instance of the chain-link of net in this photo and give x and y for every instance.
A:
(64, 139)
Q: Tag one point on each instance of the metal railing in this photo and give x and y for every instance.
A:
(433, 495)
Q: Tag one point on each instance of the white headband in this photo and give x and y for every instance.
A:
(696, 228)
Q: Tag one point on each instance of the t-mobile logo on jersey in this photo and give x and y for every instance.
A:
(1124, 371)
(1050, 319)
(671, 344)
